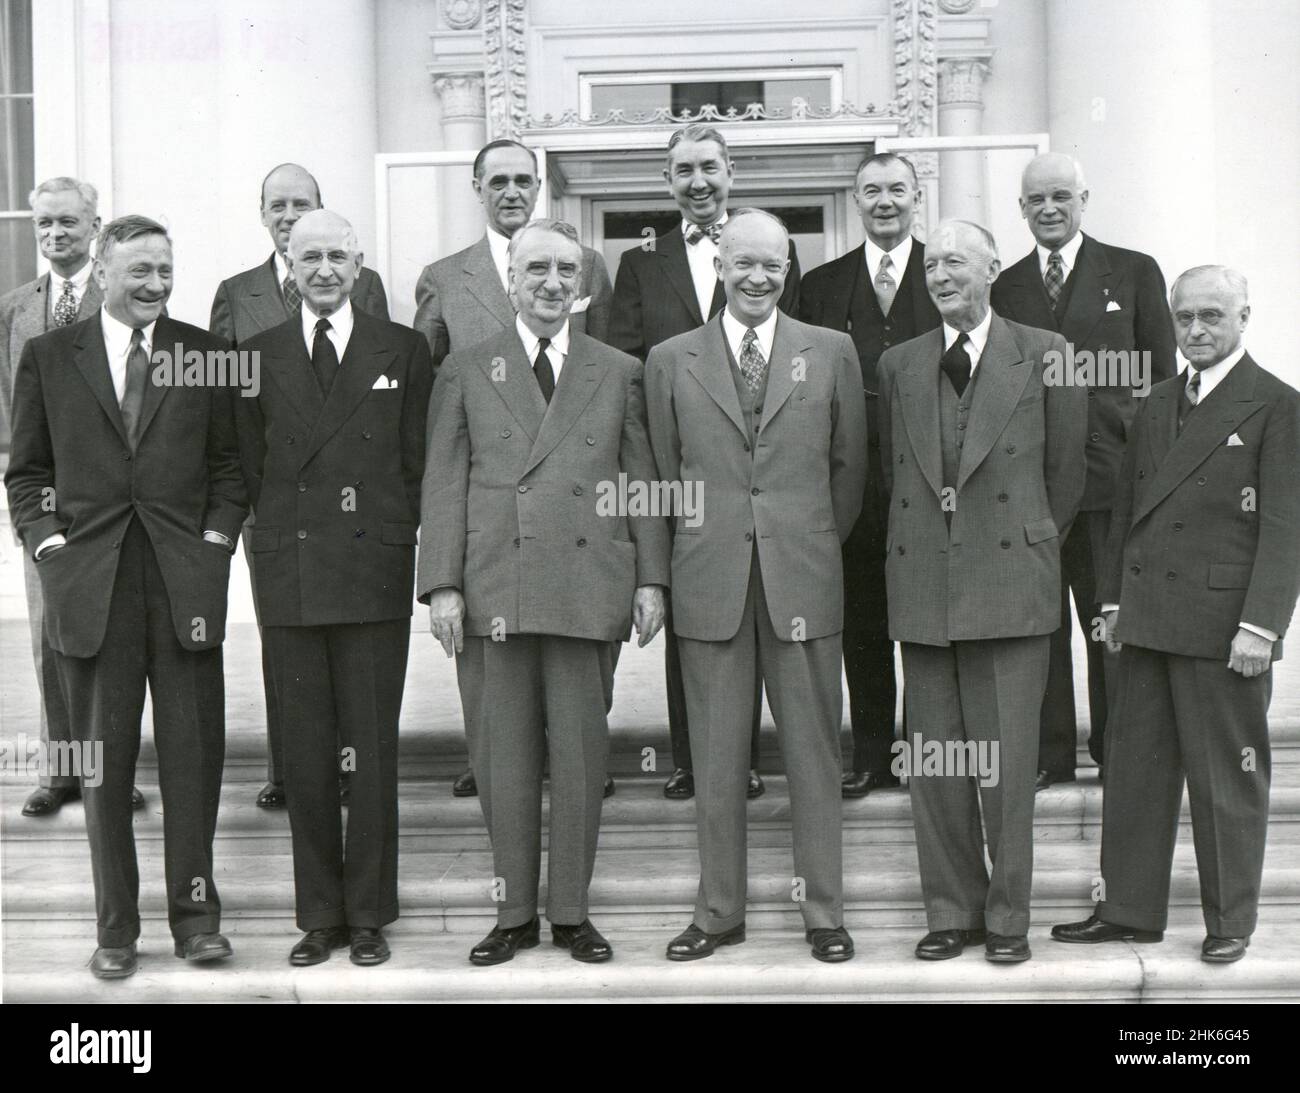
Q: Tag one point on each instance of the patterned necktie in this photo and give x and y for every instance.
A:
(292, 297)
(543, 371)
(132, 404)
(1191, 397)
(956, 364)
(752, 365)
(324, 357)
(65, 307)
(885, 285)
(695, 233)
(1054, 280)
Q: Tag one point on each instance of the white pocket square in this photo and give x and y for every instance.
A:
(580, 305)
(1235, 441)
(1113, 306)
(383, 383)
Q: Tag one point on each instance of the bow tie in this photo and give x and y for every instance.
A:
(695, 233)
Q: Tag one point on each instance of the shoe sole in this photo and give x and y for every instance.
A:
(370, 962)
(482, 962)
(113, 975)
(1007, 958)
(1139, 939)
(1222, 959)
(603, 958)
(836, 958)
(939, 956)
(204, 958)
(737, 940)
(464, 793)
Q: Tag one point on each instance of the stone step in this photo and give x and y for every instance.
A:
(773, 965)
(637, 815)
(632, 888)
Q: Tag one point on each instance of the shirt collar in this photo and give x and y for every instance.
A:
(687, 225)
(559, 340)
(898, 257)
(978, 338)
(734, 330)
(281, 268)
(1069, 254)
(499, 248)
(340, 321)
(1214, 375)
(117, 335)
(79, 280)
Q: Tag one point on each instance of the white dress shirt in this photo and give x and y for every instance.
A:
(556, 352)
(734, 330)
(1069, 253)
(499, 245)
(898, 259)
(281, 269)
(117, 343)
(340, 330)
(700, 256)
(79, 281)
(975, 340)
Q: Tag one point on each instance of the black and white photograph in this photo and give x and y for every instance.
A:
(596, 501)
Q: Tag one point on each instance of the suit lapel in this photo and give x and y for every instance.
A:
(1028, 298)
(1089, 294)
(33, 317)
(290, 367)
(1163, 422)
(484, 283)
(918, 386)
(92, 363)
(671, 249)
(709, 366)
(513, 380)
(91, 300)
(1210, 425)
(924, 314)
(1000, 380)
(367, 357)
(264, 298)
(579, 379)
(780, 369)
(164, 338)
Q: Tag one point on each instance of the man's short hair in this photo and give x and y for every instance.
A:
(1235, 281)
(559, 227)
(990, 243)
(698, 133)
(278, 166)
(62, 183)
(123, 230)
(885, 158)
(481, 158)
(750, 210)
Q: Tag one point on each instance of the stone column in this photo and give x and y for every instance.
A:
(961, 110)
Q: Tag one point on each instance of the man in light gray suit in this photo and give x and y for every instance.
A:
(982, 447)
(765, 415)
(463, 299)
(65, 215)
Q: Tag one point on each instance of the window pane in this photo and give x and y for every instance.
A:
(15, 47)
(17, 254)
(17, 153)
(724, 94)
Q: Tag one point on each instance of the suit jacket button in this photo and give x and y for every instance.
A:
(365, 434)
(505, 434)
(1006, 544)
(961, 425)
(577, 491)
(902, 550)
(755, 491)
(1002, 497)
(758, 409)
(1094, 437)
(1092, 393)
(1135, 569)
(900, 459)
(591, 440)
(1142, 474)
(903, 502)
(516, 542)
(288, 440)
(1011, 449)
(749, 536)
(582, 542)
(1170, 575)
(1201, 481)
(302, 535)
(1178, 525)
(302, 487)
(126, 457)
(523, 489)
(746, 447)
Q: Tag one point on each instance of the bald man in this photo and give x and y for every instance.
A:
(333, 451)
(1108, 303)
(259, 299)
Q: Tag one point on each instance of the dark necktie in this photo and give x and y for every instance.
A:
(1190, 398)
(956, 364)
(292, 297)
(132, 405)
(1054, 279)
(543, 371)
(695, 233)
(65, 307)
(324, 358)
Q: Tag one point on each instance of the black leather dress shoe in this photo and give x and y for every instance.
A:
(945, 944)
(316, 946)
(113, 963)
(501, 944)
(368, 947)
(609, 787)
(832, 946)
(755, 788)
(272, 796)
(137, 799)
(47, 800)
(694, 944)
(1047, 778)
(465, 786)
(1000, 949)
(1093, 931)
(200, 947)
(859, 785)
(1223, 950)
(680, 785)
(583, 942)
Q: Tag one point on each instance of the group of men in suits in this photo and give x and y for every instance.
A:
(949, 506)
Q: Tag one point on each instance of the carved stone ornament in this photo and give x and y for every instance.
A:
(505, 66)
(462, 95)
(461, 14)
(961, 81)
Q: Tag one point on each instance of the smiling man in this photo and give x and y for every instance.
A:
(129, 498)
(984, 465)
(876, 293)
(768, 413)
(333, 449)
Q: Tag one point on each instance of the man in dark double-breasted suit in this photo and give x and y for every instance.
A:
(876, 293)
(1200, 582)
(333, 450)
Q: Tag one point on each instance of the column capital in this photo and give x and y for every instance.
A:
(462, 95)
(961, 80)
